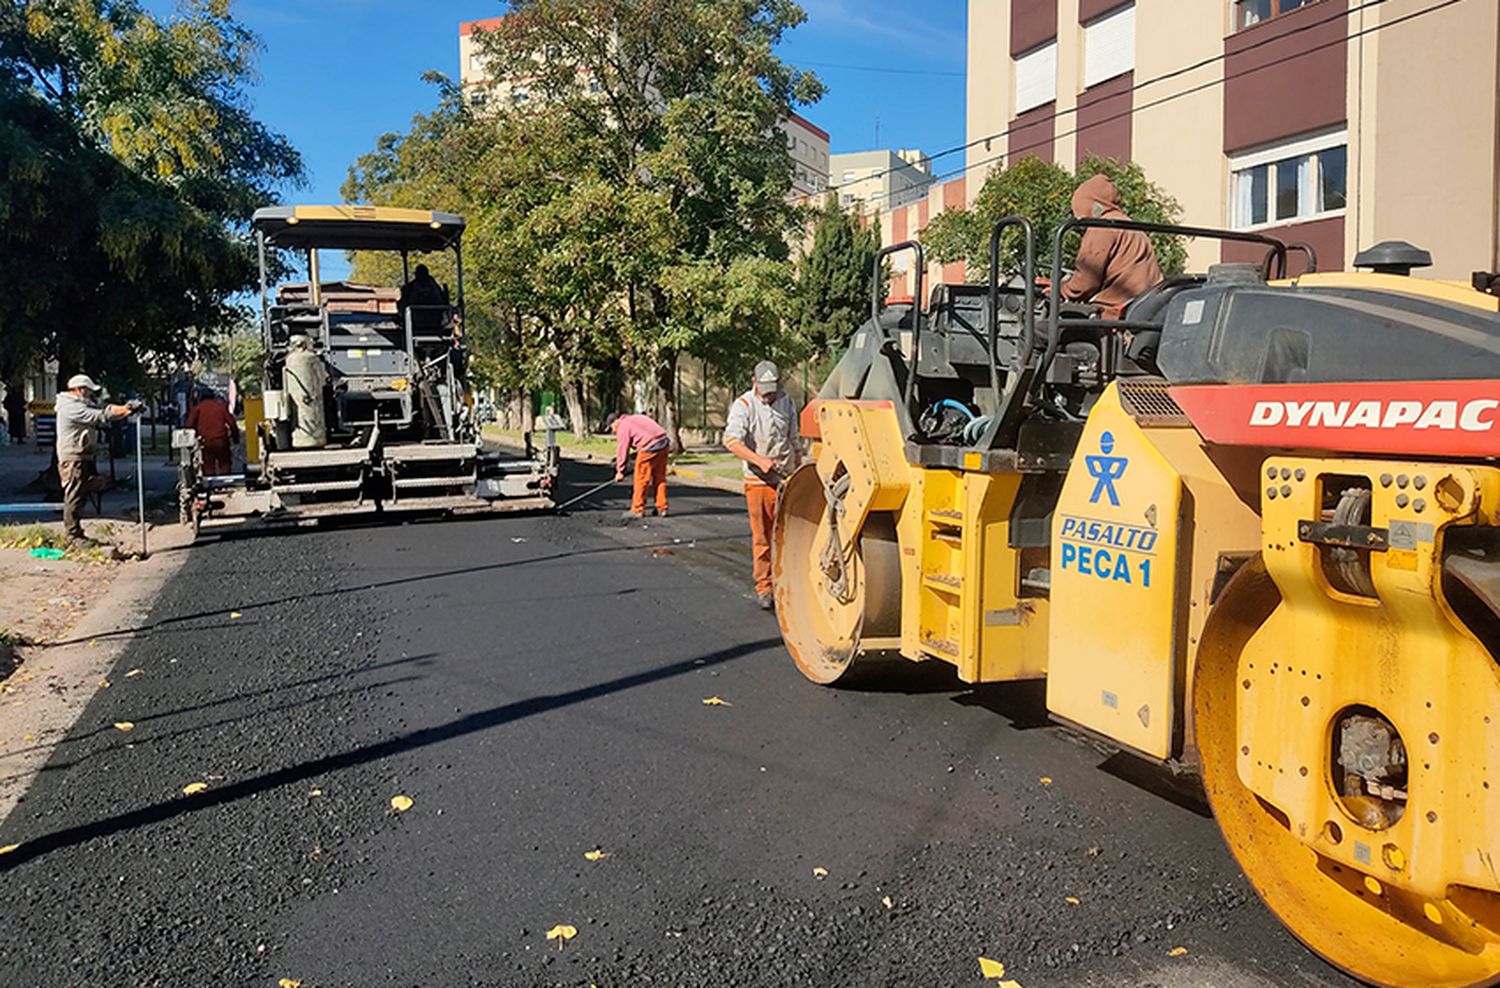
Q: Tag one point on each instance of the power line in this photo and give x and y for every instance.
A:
(1199, 88)
(883, 69)
(1164, 77)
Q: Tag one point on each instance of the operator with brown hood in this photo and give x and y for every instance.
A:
(1113, 266)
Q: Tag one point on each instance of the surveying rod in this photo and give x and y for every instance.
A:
(140, 475)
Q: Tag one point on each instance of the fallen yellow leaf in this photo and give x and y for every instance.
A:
(104, 683)
(234, 615)
(562, 933)
(820, 872)
(288, 983)
(93, 643)
(134, 672)
(597, 854)
(194, 787)
(401, 803)
(1177, 952)
(888, 903)
(716, 701)
(1071, 900)
(8, 848)
(315, 792)
(124, 725)
(1009, 984)
(1045, 780)
(991, 969)
(28, 737)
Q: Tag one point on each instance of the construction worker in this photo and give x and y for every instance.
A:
(217, 431)
(761, 429)
(77, 424)
(651, 445)
(425, 293)
(1113, 266)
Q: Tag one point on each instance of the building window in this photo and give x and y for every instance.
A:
(1109, 46)
(1248, 13)
(849, 176)
(846, 199)
(1290, 183)
(1036, 78)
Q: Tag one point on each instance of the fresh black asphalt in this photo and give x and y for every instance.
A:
(535, 686)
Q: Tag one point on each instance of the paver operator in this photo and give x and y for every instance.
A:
(77, 424)
(761, 429)
(649, 440)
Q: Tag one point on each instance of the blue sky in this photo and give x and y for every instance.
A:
(336, 74)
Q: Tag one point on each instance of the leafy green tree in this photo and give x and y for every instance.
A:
(673, 109)
(129, 163)
(833, 279)
(1043, 193)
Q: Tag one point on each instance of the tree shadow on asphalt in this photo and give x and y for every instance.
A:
(142, 741)
(471, 724)
(167, 622)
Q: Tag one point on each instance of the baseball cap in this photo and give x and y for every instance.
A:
(82, 381)
(767, 377)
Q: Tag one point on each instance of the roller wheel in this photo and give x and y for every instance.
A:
(829, 603)
(1317, 901)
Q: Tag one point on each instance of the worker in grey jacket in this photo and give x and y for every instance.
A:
(77, 424)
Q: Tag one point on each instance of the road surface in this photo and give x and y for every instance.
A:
(535, 687)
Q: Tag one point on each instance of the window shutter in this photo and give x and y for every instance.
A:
(1036, 77)
(1109, 46)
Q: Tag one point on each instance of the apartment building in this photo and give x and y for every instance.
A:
(880, 180)
(806, 142)
(1340, 123)
(808, 145)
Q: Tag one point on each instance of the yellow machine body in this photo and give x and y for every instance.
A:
(1144, 519)
(255, 414)
(1187, 617)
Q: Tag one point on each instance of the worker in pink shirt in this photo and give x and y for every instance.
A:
(651, 445)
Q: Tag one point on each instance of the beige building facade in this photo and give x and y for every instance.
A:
(1334, 122)
(870, 181)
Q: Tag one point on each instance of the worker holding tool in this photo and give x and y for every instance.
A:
(761, 429)
(651, 445)
(77, 424)
(217, 430)
(1113, 266)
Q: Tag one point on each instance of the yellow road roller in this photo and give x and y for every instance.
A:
(1250, 527)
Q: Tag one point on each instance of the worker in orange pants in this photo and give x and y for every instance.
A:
(761, 429)
(651, 445)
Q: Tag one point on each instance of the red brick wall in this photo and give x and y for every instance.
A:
(1104, 118)
(1286, 76)
(1325, 236)
(1032, 22)
(1031, 134)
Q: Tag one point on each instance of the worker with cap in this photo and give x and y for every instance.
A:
(217, 431)
(651, 445)
(762, 430)
(77, 424)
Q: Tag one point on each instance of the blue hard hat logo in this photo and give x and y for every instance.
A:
(1105, 470)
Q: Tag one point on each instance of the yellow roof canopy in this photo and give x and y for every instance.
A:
(357, 228)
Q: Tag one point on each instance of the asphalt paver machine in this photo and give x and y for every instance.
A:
(1250, 529)
(367, 404)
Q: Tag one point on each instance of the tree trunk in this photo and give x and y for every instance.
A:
(519, 412)
(666, 387)
(572, 389)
